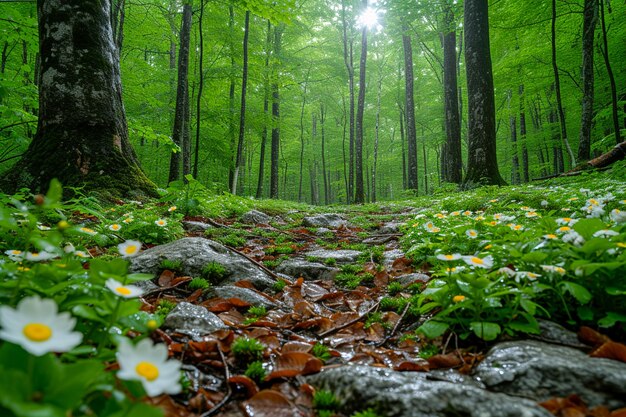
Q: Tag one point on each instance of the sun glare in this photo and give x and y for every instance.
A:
(369, 18)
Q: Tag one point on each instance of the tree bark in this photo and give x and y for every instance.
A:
(453, 169)
(304, 96)
(348, 59)
(411, 135)
(200, 88)
(266, 93)
(482, 164)
(609, 70)
(522, 132)
(242, 113)
(231, 94)
(359, 192)
(326, 182)
(278, 32)
(590, 18)
(376, 134)
(82, 136)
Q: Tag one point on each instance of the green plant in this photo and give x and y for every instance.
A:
(164, 307)
(247, 350)
(325, 400)
(428, 350)
(198, 284)
(255, 371)
(255, 313)
(321, 351)
(376, 317)
(279, 285)
(330, 261)
(214, 272)
(394, 288)
(366, 413)
(279, 250)
(171, 265)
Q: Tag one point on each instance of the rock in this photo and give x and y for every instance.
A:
(244, 294)
(409, 279)
(195, 253)
(391, 255)
(322, 231)
(412, 394)
(310, 271)
(192, 226)
(255, 217)
(342, 256)
(192, 320)
(541, 371)
(146, 286)
(390, 228)
(552, 332)
(331, 221)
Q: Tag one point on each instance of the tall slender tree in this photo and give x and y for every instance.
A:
(609, 71)
(266, 96)
(590, 18)
(409, 105)
(200, 87)
(482, 163)
(359, 190)
(348, 59)
(242, 112)
(278, 33)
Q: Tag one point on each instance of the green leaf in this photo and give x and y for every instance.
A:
(139, 277)
(528, 306)
(55, 193)
(535, 257)
(587, 227)
(139, 410)
(580, 293)
(486, 330)
(78, 380)
(433, 329)
(611, 319)
(585, 313)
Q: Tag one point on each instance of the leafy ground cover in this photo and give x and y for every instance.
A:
(80, 337)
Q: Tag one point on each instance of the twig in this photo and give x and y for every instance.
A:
(351, 322)
(397, 325)
(260, 265)
(229, 392)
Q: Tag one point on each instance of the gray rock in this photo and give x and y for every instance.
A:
(411, 394)
(192, 320)
(390, 228)
(391, 255)
(255, 217)
(409, 279)
(331, 221)
(322, 231)
(310, 271)
(195, 253)
(244, 294)
(146, 286)
(337, 255)
(192, 226)
(541, 371)
(552, 332)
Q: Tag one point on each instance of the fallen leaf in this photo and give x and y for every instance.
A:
(449, 360)
(591, 337)
(621, 412)
(610, 350)
(408, 366)
(166, 277)
(270, 403)
(246, 383)
(291, 364)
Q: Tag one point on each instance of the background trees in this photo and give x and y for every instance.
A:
(315, 46)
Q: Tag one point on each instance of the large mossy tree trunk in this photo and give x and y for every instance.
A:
(590, 18)
(482, 163)
(82, 136)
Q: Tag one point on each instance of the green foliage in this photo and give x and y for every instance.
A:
(247, 350)
(330, 262)
(394, 288)
(325, 400)
(279, 285)
(321, 351)
(256, 371)
(366, 413)
(214, 272)
(171, 265)
(428, 351)
(164, 307)
(198, 284)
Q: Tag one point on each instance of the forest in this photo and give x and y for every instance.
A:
(312, 208)
(299, 100)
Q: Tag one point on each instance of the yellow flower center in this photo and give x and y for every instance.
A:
(477, 261)
(37, 332)
(488, 247)
(565, 229)
(147, 370)
(551, 236)
(115, 227)
(449, 257)
(458, 298)
(621, 245)
(130, 249)
(152, 324)
(123, 290)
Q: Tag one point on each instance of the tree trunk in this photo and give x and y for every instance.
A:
(304, 96)
(187, 136)
(200, 88)
(590, 18)
(482, 164)
(411, 135)
(266, 89)
(231, 94)
(359, 192)
(326, 182)
(557, 86)
(376, 134)
(348, 59)
(609, 70)
(278, 32)
(453, 169)
(82, 136)
(242, 114)
(402, 142)
(522, 132)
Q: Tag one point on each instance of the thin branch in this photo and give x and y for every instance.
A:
(229, 392)
(351, 322)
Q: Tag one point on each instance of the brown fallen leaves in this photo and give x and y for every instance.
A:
(574, 406)
(604, 347)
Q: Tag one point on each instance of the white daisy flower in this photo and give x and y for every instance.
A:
(551, 268)
(129, 248)
(506, 271)
(471, 233)
(115, 227)
(14, 254)
(126, 291)
(43, 227)
(88, 231)
(69, 248)
(618, 216)
(148, 364)
(455, 269)
(486, 262)
(36, 326)
(544, 203)
(171, 209)
(82, 254)
(528, 275)
(606, 233)
(161, 222)
(452, 257)
(128, 219)
(39, 256)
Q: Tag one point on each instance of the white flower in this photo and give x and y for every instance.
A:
(128, 219)
(605, 233)
(148, 363)
(566, 221)
(37, 327)
(115, 227)
(129, 248)
(618, 216)
(88, 231)
(594, 211)
(82, 254)
(471, 233)
(171, 209)
(69, 248)
(453, 257)
(552, 268)
(126, 291)
(39, 256)
(42, 227)
(14, 254)
(528, 275)
(486, 262)
(506, 271)
(544, 203)
(161, 222)
(574, 238)
(455, 269)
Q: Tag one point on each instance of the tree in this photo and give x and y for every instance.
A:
(482, 164)
(82, 136)
(609, 70)
(348, 60)
(278, 33)
(182, 91)
(590, 18)
(266, 96)
(359, 191)
(242, 113)
(411, 135)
